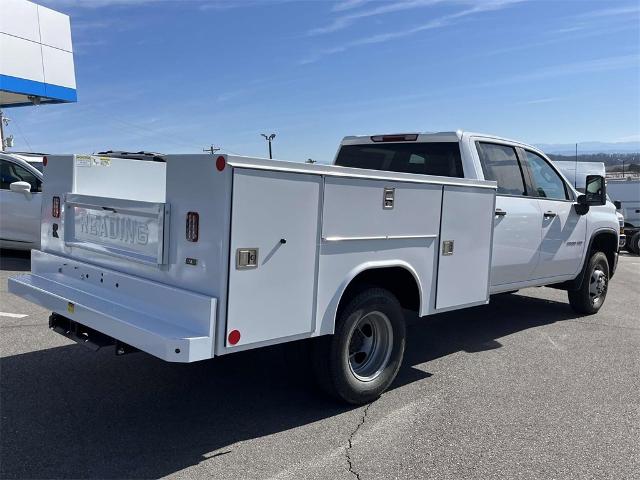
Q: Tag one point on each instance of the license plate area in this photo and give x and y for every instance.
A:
(130, 229)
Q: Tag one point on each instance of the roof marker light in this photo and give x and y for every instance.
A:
(400, 137)
(220, 163)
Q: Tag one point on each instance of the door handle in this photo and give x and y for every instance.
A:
(500, 212)
(550, 214)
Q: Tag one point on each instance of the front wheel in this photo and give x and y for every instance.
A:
(590, 296)
(359, 362)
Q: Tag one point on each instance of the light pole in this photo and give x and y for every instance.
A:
(269, 138)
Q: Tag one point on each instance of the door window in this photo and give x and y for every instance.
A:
(547, 182)
(500, 163)
(10, 172)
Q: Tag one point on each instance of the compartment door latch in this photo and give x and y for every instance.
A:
(387, 198)
(246, 258)
(447, 247)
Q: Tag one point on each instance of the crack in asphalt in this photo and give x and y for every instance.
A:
(347, 450)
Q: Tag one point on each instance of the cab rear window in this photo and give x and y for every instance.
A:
(431, 158)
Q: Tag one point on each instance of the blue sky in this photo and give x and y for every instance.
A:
(176, 76)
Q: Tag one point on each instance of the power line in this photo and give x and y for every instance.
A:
(22, 135)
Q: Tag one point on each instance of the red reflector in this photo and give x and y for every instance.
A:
(410, 137)
(44, 161)
(220, 163)
(55, 207)
(234, 337)
(193, 226)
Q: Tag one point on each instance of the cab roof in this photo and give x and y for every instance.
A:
(450, 136)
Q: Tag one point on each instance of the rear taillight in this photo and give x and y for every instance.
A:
(44, 161)
(193, 226)
(221, 163)
(55, 207)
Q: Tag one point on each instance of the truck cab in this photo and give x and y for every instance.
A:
(541, 234)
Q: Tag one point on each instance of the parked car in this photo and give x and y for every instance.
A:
(34, 159)
(20, 202)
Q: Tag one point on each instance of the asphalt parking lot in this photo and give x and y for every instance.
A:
(522, 388)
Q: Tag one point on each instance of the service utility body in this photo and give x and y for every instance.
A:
(188, 257)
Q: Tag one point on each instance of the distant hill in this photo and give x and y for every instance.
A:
(613, 162)
(589, 147)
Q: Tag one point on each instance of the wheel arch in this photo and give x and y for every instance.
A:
(604, 240)
(399, 277)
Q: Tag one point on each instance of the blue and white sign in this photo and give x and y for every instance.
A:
(36, 55)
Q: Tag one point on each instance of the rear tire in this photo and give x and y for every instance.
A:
(360, 360)
(634, 243)
(593, 291)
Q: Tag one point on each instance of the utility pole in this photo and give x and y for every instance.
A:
(212, 150)
(575, 173)
(269, 138)
(4, 121)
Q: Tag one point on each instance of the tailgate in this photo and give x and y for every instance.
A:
(129, 229)
(130, 215)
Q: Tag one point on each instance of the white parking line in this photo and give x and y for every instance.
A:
(13, 315)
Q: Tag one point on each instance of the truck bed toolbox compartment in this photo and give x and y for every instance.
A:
(170, 323)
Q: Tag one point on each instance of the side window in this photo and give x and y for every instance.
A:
(10, 172)
(547, 182)
(500, 163)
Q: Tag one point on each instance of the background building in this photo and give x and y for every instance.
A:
(36, 55)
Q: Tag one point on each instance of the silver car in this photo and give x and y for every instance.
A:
(20, 201)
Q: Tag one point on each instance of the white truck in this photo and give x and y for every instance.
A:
(625, 193)
(576, 173)
(188, 257)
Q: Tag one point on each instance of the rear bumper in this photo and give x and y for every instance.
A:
(172, 324)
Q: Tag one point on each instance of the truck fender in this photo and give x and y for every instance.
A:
(331, 313)
(576, 283)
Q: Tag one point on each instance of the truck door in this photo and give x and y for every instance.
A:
(20, 213)
(517, 221)
(563, 230)
(274, 247)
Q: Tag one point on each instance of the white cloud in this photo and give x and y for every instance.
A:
(610, 12)
(348, 5)
(589, 66)
(487, 5)
(540, 100)
(345, 21)
(202, 4)
(384, 8)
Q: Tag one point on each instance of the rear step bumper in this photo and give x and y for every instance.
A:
(172, 324)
